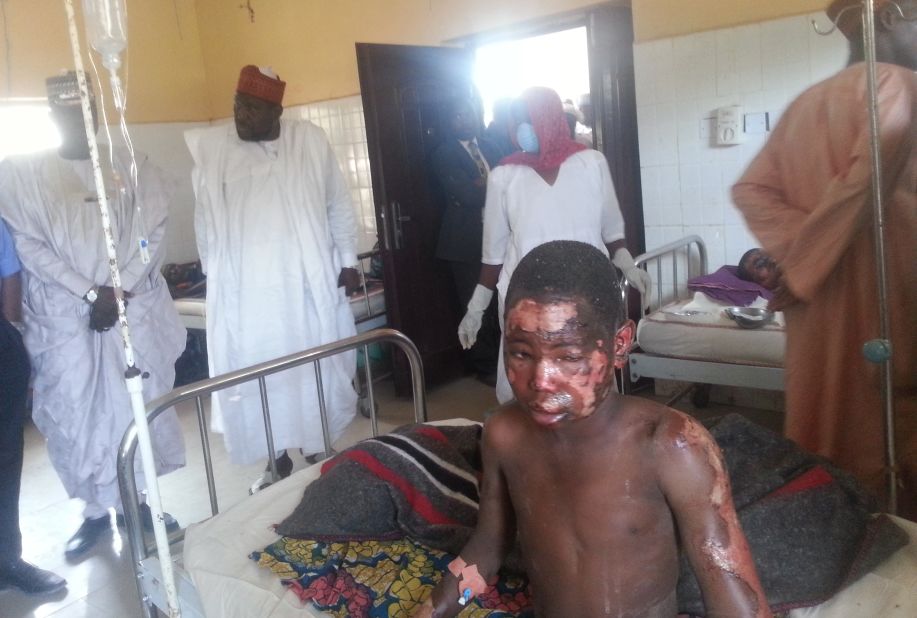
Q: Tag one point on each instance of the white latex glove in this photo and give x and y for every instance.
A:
(471, 323)
(636, 277)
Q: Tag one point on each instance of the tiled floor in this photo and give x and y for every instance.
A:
(102, 586)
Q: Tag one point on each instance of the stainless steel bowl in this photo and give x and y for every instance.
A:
(749, 317)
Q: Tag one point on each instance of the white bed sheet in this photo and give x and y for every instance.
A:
(193, 311)
(231, 585)
(697, 329)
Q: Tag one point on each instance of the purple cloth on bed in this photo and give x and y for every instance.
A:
(725, 286)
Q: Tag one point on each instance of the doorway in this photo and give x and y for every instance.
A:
(558, 60)
(406, 92)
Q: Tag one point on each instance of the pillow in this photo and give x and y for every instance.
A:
(725, 286)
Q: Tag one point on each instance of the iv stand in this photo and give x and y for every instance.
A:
(880, 350)
(132, 374)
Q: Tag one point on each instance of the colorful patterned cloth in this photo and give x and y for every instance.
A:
(379, 579)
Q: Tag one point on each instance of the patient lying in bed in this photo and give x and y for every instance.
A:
(599, 486)
(756, 265)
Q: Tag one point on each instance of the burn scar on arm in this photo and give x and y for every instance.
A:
(696, 483)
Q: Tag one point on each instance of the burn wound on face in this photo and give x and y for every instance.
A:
(548, 319)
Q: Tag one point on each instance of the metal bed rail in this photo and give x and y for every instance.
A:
(691, 253)
(694, 252)
(149, 588)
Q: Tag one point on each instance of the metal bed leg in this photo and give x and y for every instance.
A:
(322, 411)
(208, 463)
(370, 394)
(268, 430)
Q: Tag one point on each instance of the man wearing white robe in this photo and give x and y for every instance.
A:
(277, 237)
(80, 399)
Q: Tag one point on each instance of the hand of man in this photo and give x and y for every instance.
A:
(783, 297)
(641, 281)
(349, 279)
(104, 312)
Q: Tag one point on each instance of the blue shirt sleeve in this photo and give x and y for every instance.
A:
(9, 263)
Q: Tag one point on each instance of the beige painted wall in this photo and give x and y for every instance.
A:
(311, 44)
(655, 19)
(185, 54)
(166, 80)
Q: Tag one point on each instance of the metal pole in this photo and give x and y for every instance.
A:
(322, 409)
(268, 430)
(208, 463)
(879, 350)
(132, 374)
(370, 394)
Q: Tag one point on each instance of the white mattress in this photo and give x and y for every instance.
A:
(231, 585)
(193, 312)
(216, 552)
(697, 329)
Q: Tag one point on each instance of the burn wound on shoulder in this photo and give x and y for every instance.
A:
(722, 550)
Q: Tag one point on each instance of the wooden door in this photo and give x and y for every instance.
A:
(610, 35)
(405, 92)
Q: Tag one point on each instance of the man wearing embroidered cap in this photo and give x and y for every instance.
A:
(80, 401)
(277, 238)
(807, 197)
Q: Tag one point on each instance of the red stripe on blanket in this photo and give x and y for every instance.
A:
(433, 433)
(816, 477)
(418, 501)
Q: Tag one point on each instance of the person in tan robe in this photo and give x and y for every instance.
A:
(808, 199)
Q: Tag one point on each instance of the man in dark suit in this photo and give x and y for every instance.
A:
(461, 165)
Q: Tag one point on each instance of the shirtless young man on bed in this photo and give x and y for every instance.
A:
(601, 488)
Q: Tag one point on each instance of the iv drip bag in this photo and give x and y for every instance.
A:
(106, 27)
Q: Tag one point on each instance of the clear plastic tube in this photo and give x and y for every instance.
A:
(106, 27)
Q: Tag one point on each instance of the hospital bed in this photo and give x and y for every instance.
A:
(676, 340)
(367, 305)
(145, 562)
(215, 576)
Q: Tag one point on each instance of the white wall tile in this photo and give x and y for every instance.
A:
(343, 123)
(682, 80)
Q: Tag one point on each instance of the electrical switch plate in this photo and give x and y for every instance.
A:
(707, 128)
(729, 129)
(757, 123)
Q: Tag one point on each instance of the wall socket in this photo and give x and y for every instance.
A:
(757, 123)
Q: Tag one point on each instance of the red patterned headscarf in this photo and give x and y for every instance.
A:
(546, 113)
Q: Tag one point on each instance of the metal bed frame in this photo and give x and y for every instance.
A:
(691, 252)
(144, 560)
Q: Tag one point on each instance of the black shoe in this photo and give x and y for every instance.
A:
(314, 458)
(29, 578)
(146, 516)
(284, 466)
(86, 537)
(284, 469)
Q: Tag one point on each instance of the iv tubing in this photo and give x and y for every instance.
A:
(132, 374)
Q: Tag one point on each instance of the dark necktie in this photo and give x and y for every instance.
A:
(478, 160)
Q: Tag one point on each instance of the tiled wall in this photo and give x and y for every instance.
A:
(681, 81)
(342, 120)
